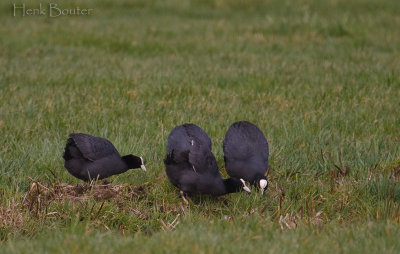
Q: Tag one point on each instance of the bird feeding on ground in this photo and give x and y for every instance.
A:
(191, 166)
(246, 153)
(92, 158)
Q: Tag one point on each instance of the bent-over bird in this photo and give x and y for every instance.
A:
(91, 158)
(246, 153)
(191, 166)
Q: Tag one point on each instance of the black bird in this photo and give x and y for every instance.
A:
(91, 158)
(246, 153)
(191, 166)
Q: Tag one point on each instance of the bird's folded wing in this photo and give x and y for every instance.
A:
(94, 148)
(203, 160)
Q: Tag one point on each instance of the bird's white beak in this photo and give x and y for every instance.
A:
(263, 185)
(245, 188)
(143, 167)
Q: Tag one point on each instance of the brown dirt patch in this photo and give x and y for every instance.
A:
(41, 195)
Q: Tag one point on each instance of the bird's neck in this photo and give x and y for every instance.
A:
(232, 185)
(216, 186)
(131, 161)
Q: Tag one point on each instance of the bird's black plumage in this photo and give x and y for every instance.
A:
(246, 152)
(191, 166)
(88, 157)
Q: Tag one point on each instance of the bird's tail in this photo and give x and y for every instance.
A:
(71, 151)
(169, 158)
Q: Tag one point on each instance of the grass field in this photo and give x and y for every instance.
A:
(320, 78)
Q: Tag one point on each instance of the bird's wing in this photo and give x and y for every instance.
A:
(193, 130)
(93, 148)
(201, 158)
(265, 149)
(235, 149)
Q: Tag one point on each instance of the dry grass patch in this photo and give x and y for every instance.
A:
(41, 195)
(10, 216)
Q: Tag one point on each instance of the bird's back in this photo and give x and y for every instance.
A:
(181, 137)
(91, 148)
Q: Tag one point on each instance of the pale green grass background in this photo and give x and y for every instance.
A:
(320, 78)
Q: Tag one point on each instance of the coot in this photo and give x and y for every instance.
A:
(246, 153)
(192, 167)
(91, 158)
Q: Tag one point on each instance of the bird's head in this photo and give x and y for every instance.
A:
(245, 188)
(260, 180)
(142, 166)
(134, 161)
(263, 183)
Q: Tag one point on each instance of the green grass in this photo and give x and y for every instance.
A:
(320, 78)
